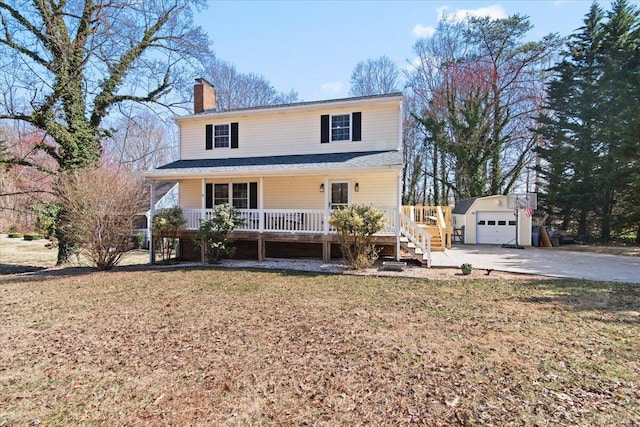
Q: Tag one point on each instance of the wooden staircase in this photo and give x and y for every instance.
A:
(415, 240)
(437, 243)
(425, 229)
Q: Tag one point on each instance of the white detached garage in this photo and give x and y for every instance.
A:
(492, 219)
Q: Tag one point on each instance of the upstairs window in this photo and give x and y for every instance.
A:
(341, 127)
(221, 136)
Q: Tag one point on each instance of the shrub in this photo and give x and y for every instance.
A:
(356, 225)
(14, 235)
(213, 233)
(137, 239)
(99, 205)
(33, 236)
(165, 225)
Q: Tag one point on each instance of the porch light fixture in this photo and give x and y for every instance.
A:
(322, 188)
(357, 187)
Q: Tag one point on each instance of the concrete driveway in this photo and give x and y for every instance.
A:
(543, 261)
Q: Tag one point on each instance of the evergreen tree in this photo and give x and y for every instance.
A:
(591, 126)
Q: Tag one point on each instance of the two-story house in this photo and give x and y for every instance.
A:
(285, 167)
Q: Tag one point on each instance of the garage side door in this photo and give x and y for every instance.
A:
(495, 227)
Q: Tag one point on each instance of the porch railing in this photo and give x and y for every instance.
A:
(283, 220)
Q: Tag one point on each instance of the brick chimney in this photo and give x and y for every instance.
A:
(204, 96)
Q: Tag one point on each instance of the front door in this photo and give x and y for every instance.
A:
(339, 195)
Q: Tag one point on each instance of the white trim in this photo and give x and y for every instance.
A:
(174, 174)
(398, 210)
(213, 136)
(400, 118)
(304, 106)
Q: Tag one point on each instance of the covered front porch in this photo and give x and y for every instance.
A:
(288, 199)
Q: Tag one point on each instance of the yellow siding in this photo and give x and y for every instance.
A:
(190, 194)
(291, 192)
(377, 188)
(293, 132)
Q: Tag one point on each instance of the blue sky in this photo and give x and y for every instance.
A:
(313, 46)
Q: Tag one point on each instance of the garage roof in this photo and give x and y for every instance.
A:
(463, 206)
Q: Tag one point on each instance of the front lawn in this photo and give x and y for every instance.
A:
(207, 346)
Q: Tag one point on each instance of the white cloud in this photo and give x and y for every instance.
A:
(332, 87)
(423, 31)
(494, 12)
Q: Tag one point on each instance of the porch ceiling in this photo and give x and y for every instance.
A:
(277, 165)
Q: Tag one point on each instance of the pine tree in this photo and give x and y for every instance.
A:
(592, 113)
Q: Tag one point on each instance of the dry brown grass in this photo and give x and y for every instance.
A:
(21, 256)
(204, 346)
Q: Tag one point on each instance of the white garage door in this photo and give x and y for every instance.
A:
(495, 227)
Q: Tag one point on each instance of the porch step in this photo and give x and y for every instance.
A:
(416, 253)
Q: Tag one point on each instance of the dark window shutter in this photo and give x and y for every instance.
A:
(253, 195)
(324, 128)
(356, 131)
(208, 137)
(208, 203)
(234, 135)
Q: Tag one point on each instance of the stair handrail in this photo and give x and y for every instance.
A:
(445, 230)
(416, 235)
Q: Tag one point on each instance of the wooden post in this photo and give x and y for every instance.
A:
(545, 238)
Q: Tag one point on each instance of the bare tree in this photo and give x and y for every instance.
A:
(74, 61)
(239, 90)
(102, 203)
(480, 88)
(142, 140)
(374, 77)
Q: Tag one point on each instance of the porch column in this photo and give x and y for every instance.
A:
(398, 208)
(203, 199)
(261, 245)
(327, 211)
(203, 214)
(152, 213)
(261, 205)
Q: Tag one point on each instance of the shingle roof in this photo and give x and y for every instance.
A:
(275, 164)
(463, 206)
(306, 103)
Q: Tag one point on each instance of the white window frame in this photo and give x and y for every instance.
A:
(331, 116)
(228, 125)
(229, 200)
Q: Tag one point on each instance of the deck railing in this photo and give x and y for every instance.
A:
(283, 220)
(432, 216)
